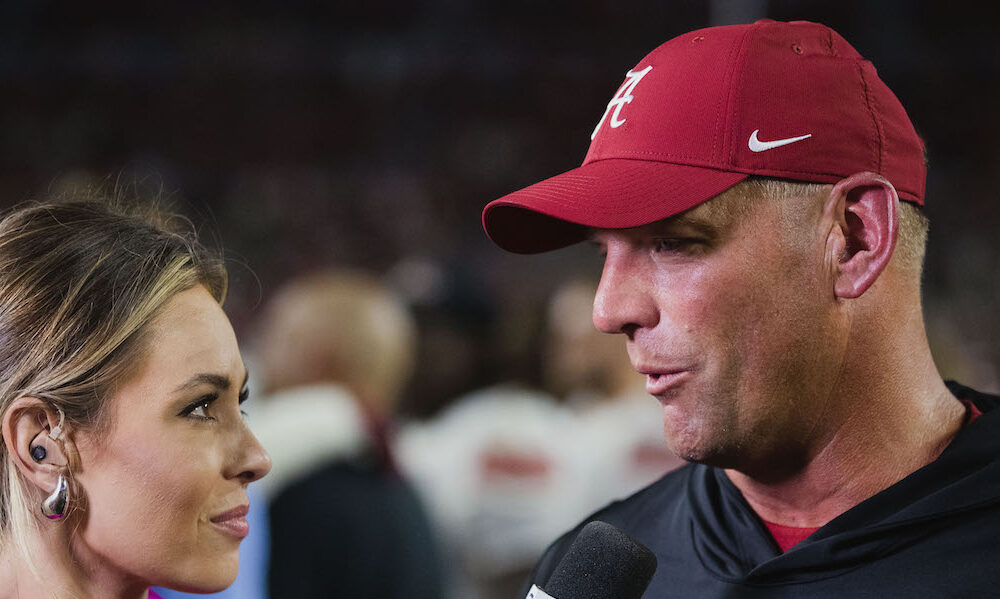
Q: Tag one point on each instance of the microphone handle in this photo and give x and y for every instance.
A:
(536, 592)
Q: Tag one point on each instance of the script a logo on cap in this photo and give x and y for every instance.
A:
(623, 97)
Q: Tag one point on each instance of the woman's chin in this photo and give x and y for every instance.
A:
(214, 579)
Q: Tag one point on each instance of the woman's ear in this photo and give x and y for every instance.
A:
(864, 207)
(36, 437)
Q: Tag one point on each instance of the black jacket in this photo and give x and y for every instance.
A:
(936, 533)
(343, 523)
(353, 531)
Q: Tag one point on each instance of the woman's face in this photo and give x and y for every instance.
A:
(165, 486)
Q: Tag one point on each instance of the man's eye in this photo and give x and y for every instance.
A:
(671, 244)
(600, 248)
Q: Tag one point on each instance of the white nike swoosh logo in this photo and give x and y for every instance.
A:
(757, 145)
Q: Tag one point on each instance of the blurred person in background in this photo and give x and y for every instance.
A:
(125, 458)
(504, 467)
(620, 431)
(501, 473)
(334, 351)
(454, 319)
(580, 364)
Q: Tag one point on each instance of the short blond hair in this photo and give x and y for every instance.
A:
(80, 282)
(911, 242)
(349, 327)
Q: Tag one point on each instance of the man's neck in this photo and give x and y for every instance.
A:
(870, 451)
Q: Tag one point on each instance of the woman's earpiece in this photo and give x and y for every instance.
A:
(56, 433)
(40, 445)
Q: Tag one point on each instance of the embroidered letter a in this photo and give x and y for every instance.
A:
(623, 97)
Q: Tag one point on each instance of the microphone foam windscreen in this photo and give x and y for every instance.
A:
(602, 563)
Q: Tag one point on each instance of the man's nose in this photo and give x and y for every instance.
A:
(625, 300)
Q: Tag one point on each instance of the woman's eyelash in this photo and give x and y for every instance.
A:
(202, 402)
(244, 395)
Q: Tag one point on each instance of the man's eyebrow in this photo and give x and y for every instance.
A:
(703, 225)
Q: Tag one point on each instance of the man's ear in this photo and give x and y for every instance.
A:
(28, 423)
(864, 207)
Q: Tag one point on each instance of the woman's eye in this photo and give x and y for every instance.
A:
(244, 395)
(199, 409)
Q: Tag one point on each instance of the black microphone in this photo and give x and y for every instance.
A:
(602, 563)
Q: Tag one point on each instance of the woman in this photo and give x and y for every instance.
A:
(125, 457)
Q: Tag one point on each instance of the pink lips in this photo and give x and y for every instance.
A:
(234, 521)
(660, 382)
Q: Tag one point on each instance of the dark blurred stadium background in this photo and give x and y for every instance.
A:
(370, 134)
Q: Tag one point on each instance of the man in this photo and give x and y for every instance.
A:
(334, 352)
(755, 191)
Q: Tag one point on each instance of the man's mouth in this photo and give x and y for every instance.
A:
(659, 382)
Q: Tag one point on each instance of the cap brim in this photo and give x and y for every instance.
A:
(605, 194)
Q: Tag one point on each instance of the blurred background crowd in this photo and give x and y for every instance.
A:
(360, 140)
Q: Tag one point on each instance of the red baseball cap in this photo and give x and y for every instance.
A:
(706, 110)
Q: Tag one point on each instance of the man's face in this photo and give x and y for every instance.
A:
(733, 322)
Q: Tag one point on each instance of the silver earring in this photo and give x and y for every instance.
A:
(54, 506)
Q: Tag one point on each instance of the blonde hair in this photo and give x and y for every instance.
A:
(80, 281)
(911, 242)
